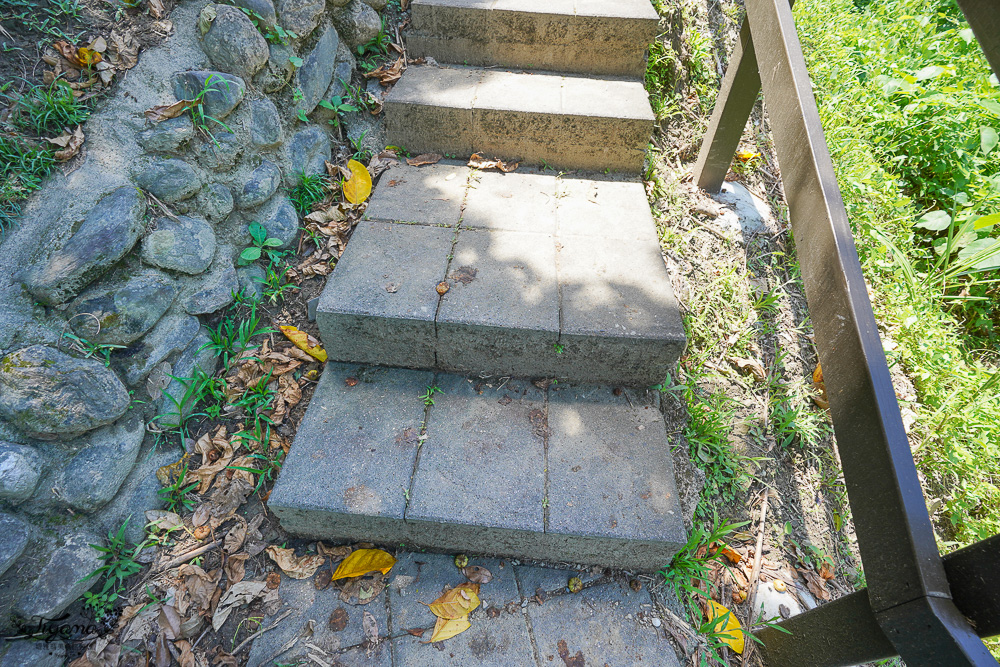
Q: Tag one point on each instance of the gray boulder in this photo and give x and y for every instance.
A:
(307, 152)
(60, 583)
(215, 201)
(377, 5)
(317, 70)
(280, 220)
(233, 44)
(121, 313)
(107, 233)
(36, 654)
(344, 70)
(250, 280)
(20, 469)
(13, 540)
(167, 136)
(262, 11)
(97, 471)
(220, 93)
(48, 394)
(177, 401)
(171, 334)
(185, 244)
(220, 152)
(169, 180)
(260, 185)
(215, 291)
(357, 23)
(265, 124)
(300, 16)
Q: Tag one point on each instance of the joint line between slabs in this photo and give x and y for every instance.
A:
(451, 256)
(527, 621)
(420, 449)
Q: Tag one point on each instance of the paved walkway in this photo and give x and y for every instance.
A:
(527, 618)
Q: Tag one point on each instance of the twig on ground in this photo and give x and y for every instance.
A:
(261, 631)
(755, 572)
(183, 558)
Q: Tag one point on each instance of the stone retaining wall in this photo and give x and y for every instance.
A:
(96, 258)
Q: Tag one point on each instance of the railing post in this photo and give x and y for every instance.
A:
(738, 94)
(908, 591)
(984, 19)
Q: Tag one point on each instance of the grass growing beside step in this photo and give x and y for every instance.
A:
(909, 108)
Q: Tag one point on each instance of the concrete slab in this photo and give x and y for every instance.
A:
(497, 636)
(615, 210)
(620, 320)
(430, 110)
(551, 581)
(432, 194)
(524, 33)
(505, 320)
(611, 476)
(349, 468)
(379, 304)
(520, 201)
(308, 604)
(603, 625)
(480, 479)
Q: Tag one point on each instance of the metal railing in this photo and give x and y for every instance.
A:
(927, 609)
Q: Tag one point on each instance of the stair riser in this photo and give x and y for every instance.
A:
(557, 42)
(562, 141)
(454, 537)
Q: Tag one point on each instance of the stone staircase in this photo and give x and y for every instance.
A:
(460, 282)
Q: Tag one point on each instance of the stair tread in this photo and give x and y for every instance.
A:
(571, 473)
(620, 8)
(537, 283)
(525, 92)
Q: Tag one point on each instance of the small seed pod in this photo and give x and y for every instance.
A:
(461, 560)
(575, 585)
(442, 287)
(779, 586)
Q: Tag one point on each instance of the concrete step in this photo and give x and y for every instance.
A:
(546, 277)
(582, 36)
(562, 473)
(567, 122)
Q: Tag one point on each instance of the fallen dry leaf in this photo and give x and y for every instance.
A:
(81, 57)
(816, 584)
(477, 574)
(416, 632)
(457, 602)
(322, 580)
(819, 385)
(304, 342)
(296, 567)
(273, 580)
(70, 143)
(156, 8)
(387, 74)
(338, 619)
(477, 161)
(370, 627)
(446, 628)
(751, 366)
(207, 472)
(362, 590)
(730, 632)
(167, 111)
(421, 160)
(359, 185)
(363, 561)
(826, 570)
(238, 595)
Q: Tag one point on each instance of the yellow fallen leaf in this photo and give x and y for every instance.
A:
(746, 156)
(446, 628)
(730, 634)
(457, 602)
(304, 342)
(359, 185)
(363, 561)
(296, 567)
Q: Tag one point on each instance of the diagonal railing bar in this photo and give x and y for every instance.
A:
(984, 19)
(909, 597)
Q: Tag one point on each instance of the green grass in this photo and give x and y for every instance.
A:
(309, 191)
(23, 165)
(42, 109)
(904, 96)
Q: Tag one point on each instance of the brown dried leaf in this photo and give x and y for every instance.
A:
(322, 580)
(338, 619)
(236, 536)
(361, 590)
(206, 473)
(417, 632)
(751, 366)
(70, 143)
(387, 74)
(273, 580)
(426, 158)
(238, 595)
(235, 568)
(816, 584)
(477, 161)
(296, 567)
(822, 401)
(477, 574)
(167, 111)
(370, 626)
(156, 8)
(334, 553)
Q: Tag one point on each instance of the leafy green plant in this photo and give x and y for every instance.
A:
(361, 154)
(428, 396)
(88, 349)
(379, 44)
(47, 109)
(340, 105)
(175, 496)
(263, 245)
(268, 469)
(119, 564)
(230, 338)
(202, 121)
(274, 285)
(255, 400)
(310, 190)
(272, 32)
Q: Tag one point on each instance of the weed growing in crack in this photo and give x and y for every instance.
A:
(119, 564)
(175, 496)
(310, 190)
